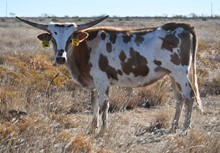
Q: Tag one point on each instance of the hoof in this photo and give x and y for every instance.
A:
(101, 133)
(184, 133)
(92, 131)
(171, 130)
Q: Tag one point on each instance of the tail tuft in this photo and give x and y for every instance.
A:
(199, 104)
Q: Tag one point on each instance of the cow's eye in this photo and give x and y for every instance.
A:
(69, 40)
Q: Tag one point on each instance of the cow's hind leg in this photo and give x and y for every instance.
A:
(179, 106)
(187, 95)
(188, 114)
(104, 106)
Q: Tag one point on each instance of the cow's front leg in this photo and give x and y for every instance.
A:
(95, 111)
(104, 105)
(102, 89)
(179, 106)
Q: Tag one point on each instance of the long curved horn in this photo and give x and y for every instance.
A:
(90, 24)
(36, 25)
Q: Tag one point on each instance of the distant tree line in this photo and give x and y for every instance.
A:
(191, 15)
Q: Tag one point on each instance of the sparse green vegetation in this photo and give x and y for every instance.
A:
(43, 110)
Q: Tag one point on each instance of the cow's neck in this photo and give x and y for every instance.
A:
(78, 64)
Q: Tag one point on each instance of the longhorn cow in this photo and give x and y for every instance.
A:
(99, 57)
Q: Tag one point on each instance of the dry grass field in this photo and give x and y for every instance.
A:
(43, 111)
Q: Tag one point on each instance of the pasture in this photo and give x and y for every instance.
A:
(43, 110)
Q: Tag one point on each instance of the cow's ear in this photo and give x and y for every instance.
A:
(44, 37)
(81, 36)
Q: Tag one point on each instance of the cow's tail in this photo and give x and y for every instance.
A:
(194, 77)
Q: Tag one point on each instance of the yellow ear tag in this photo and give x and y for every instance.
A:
(75, 41)
(45, 43)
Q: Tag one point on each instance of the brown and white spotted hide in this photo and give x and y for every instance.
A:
(131, 58)
(137, 58)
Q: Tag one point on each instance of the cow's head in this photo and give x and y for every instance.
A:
(61, 35)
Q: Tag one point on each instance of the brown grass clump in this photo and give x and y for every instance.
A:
(80, 144)
(22, 133)
(35, 70)
(7, 130)
(196, 142)
(66, 120)
(162, 119)
(7, 94)
(64, 136)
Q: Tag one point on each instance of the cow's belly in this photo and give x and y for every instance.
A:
(138, 81)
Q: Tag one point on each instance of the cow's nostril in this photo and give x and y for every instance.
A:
(60, 60)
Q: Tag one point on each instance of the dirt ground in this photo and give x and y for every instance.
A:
(42, 110)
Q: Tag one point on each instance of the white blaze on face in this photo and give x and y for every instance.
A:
(61, 34)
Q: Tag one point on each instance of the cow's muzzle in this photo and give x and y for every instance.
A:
(61, 57)
(60, 60)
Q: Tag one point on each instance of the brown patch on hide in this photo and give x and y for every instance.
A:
(169, 42)
(126, 38)
(158, 63)
(185, 47)
(92, 35)
(122, 56)
(175, 59)
(135, 64)
(105, 67)
(109, 47)
(103, 35)
(113, 36)
(139, 38)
